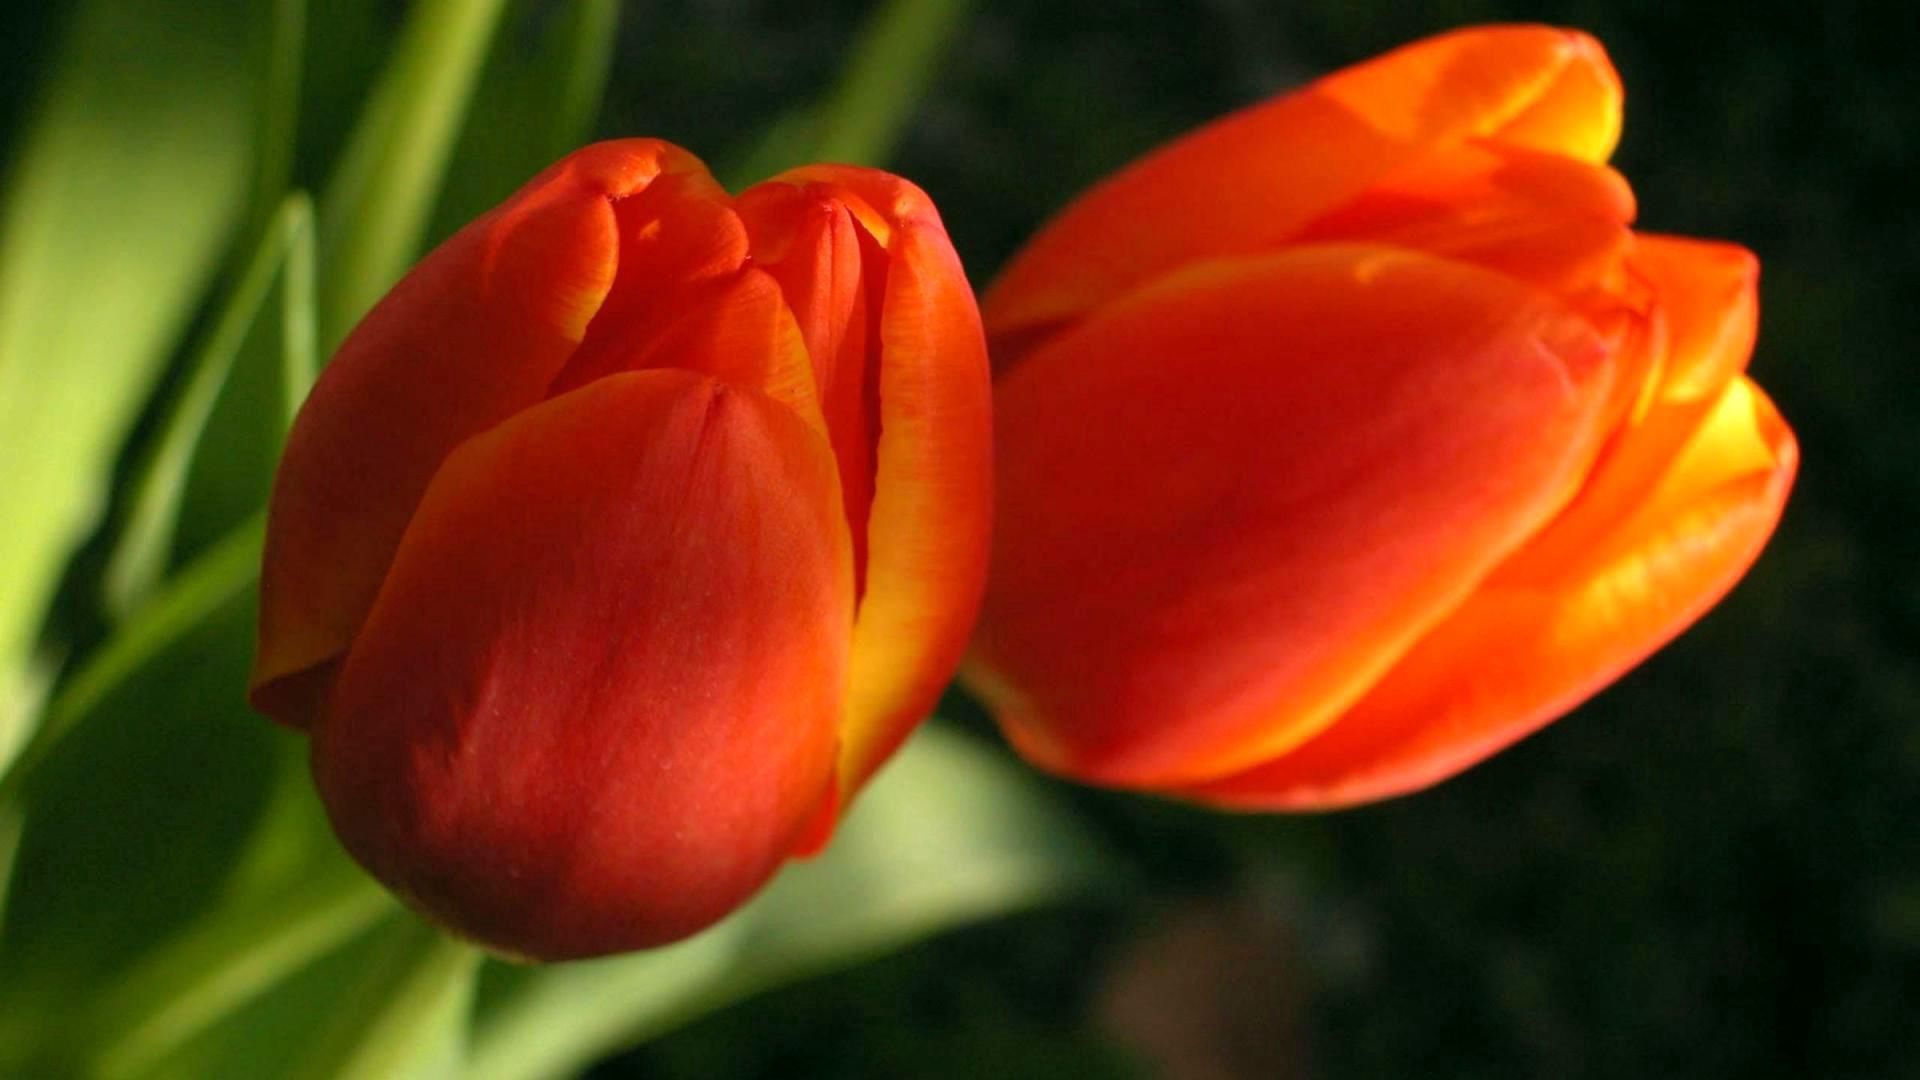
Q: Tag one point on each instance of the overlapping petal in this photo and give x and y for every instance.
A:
(924, 392)
(1559, 622)
(1251, 181)
(1241, 494)
(598, 696)
(471, 336)
(626, 538)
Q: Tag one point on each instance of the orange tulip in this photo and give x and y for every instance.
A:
(1352, 437)
(625, 538)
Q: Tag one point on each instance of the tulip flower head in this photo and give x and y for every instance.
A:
(1356, 435)
(625, 538)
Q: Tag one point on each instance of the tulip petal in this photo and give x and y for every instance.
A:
(597, 698)
(741, 332)
(1709, 293)
(805, 238)
(471, 336)
(680, 242)
(1252, 180)
(928, 529)
(1557, 222)
(832, 272)
(1562, 620)
(1229, 503)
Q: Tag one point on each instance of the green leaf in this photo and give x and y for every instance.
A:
(277, 120)
(191, 601)
(230, 956)
(139, 794)
(540, 94)
(236, 464)
(407, 1017)
(950, 833)
(375, 210)
(127, 181)
(892, 63)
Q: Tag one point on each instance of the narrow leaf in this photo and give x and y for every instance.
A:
(540, 93)
(213, 581)
(126, 183)
(229, 957)
(141, 557)
(891, 65)
(408, 1017)
(140, 794)
(277, 120)
(375, 210)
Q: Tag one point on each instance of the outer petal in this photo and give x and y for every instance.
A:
(1561, 621)
(1228, 504)
(1709, 293)
(680, 242)
(470, 336)
(1251, 181)
(929, 527)
(1557, 222)
(832, 271)
(596, 699)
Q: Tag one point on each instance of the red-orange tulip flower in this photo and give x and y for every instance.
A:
(625, 538)
(1354, 436)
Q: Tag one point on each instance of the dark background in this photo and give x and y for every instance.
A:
(1712, 869)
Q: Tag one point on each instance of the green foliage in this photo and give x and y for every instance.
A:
(123, 190)
(172, 901)
(860, 121)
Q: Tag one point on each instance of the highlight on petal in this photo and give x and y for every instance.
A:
(1709, 294)
(815, 238)
(1561, 620)
(1536, 86)
(1276, 474)
(1252, 180)
(470, 336)
(928, 532)
(597, 698)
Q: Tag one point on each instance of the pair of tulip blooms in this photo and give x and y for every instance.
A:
(1337, 445)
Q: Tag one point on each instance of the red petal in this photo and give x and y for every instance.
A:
(1229, 503)
(1252, 180)
(1613, 580)
(598, 697)
(928, 529)
(1557, 222)
(470, 336)
(1709, 293)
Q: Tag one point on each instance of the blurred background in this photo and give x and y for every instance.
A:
(1711, 870)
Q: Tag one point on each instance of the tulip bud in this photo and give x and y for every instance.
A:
(1354, 436)
(625, 538)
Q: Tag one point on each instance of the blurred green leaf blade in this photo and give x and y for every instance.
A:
(140, 792)
(237, 951)
(211, 462)
(123, 191)
(379, 201)
(860, 122)
(407, 1019)
(539, 96)
(949, 833)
